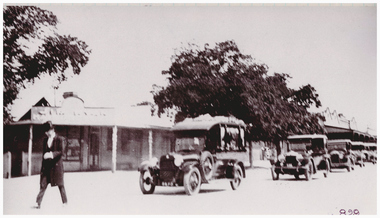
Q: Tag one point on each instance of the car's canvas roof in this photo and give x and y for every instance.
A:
(206, 123)
(338, 140)
(357, 143)
(313, 136)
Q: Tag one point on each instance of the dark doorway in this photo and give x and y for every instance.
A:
(94, 151)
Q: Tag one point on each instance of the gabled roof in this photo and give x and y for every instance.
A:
(42, 103)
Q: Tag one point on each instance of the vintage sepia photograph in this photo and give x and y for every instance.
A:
(190, 108)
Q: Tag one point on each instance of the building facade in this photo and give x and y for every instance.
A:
(95, 138)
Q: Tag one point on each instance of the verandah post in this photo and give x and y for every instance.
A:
(30, 145)
(114, 147)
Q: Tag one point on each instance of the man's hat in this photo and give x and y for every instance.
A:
(48, 126)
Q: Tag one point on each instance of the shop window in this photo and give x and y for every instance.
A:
(72, 143)
(72, 151)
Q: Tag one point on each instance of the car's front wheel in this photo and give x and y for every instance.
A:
(238, 175)
(192, 181)
(275, 176)
(327, 170)
(146, 182)
(308, 172)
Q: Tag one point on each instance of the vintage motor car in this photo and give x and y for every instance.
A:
(341, 155)
(306, 154)
(358, 151)
(371, 152)
(206, 149)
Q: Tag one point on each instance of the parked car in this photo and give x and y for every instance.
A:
(371, 152)
(341, 155)
(306, 154)
(205, 150)
(358, 151)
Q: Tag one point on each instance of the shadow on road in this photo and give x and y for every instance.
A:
(339, 171)
(182, 192)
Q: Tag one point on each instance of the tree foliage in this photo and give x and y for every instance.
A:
(223, 81)
(56, 53)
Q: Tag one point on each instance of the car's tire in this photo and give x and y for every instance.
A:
(238, 176)
(192, 181)
(275, 176)
(207, 166)
(327, 170)
(146, 182)
(297, 176)
(309, 172)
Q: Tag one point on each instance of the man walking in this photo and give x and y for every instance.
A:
(52, 165)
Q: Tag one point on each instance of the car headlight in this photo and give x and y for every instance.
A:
(178, 160)
(153, 161)
(281, 158)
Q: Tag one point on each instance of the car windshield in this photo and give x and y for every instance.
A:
(189, 143)
(299, 144)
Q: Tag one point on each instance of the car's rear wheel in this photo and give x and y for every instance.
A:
(192, 181)
(207, 165)
(349, 166)
(238, 175)
(297, 176)
(308, 172)
(146, 182)
(275, 176)
(327, 170)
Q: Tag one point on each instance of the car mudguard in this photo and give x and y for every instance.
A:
(145, 165)
(188, 165)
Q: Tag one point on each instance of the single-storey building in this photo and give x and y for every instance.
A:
(95, 138)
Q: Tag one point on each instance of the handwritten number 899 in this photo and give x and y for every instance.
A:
(349, 212)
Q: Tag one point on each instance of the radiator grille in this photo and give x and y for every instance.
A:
(335, 158)
(166, 176)
(292, 160)
(167, 165)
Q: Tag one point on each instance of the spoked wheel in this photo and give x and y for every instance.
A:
(207, 165)
(327, 170)
(308, 172)
(146, 182)
(361, 164)
(297, 176)
(238, 175)
(275, 176)
(192, 181)
(349, 167)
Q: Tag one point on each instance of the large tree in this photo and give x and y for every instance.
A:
(22, 26)
(223, 81)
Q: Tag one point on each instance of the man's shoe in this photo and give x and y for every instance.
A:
(37, 206)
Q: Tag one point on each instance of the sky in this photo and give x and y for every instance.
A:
(333, 48)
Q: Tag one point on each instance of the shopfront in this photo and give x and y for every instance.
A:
(93, 139)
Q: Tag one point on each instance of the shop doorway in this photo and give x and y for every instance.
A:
(94, 151)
